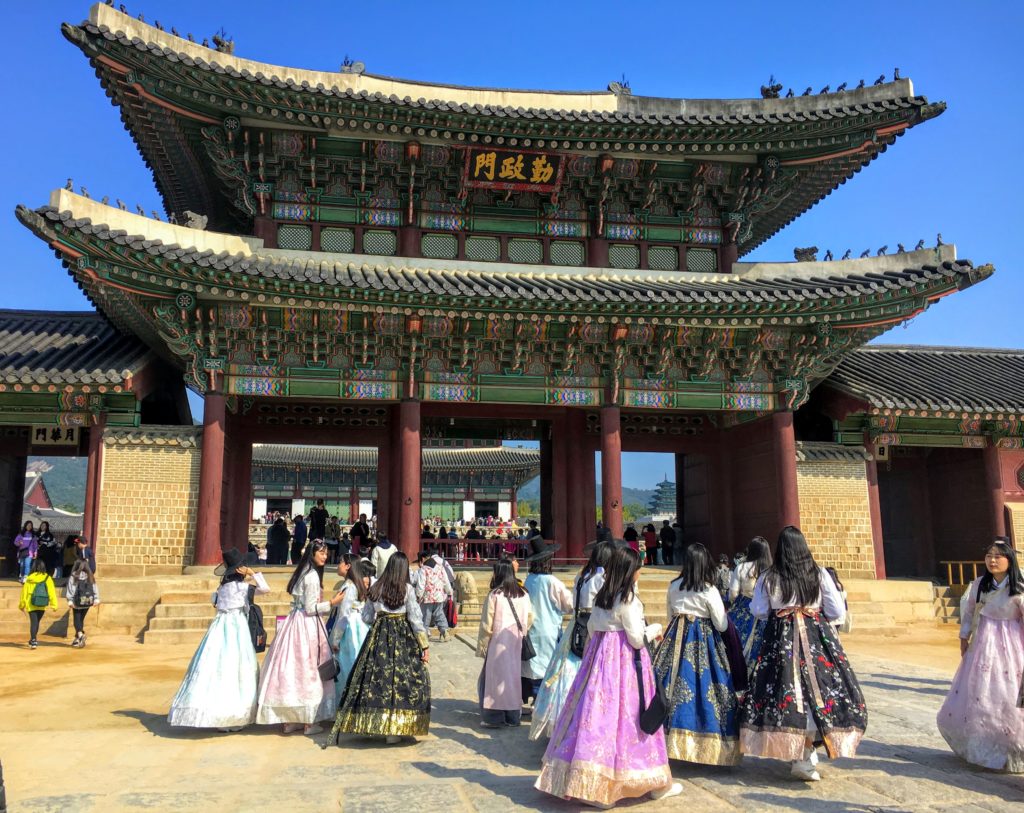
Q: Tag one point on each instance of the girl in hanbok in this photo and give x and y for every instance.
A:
(505, 619)
(291, 690)
(802, 688)
(980, 719)
(219, 688)
(598, 754)
(564, 664)
(388, 692)
(757, 560)
(550, 600)
(693, 666)
(349, 629)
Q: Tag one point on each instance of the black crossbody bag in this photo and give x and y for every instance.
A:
(578, 633)
(652, 717)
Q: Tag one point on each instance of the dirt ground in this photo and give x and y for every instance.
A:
(85, 731)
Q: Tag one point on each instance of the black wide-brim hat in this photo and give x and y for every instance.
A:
(234, 559)
(539, 551)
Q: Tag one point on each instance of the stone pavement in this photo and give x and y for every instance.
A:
(85, 731)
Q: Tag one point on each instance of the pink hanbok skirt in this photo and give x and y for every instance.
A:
(980, 719)
(597, 752)
(291, 690)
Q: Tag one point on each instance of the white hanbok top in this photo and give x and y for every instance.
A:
(411, 608)
(235, 595)
(307, 593)
(829, 601)
(705, 603)
(627, 616)
(742, 581)
(593, 583)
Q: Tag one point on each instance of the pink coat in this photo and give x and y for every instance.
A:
(500, 642)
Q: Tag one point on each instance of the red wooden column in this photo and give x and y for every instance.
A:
(353, 500)
(559, 480)
(384, 465)
(514, 509)
(784, 445)
(875, 510)
(409, 493)
(994, 486)
(547, 515)
(211, 481)
(588, 489)
(240, 505)
(395, 476)
(680, 461)
(580, 530)
(611, 469)
(93, 478)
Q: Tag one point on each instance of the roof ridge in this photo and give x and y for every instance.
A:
(941, 348)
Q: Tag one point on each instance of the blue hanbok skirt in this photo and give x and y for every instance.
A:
(749, 628)
(554, 688)
(693, 666)
(351, 642)
(219, 688)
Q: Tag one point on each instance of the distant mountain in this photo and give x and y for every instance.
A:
(65, 481)
(641, 496)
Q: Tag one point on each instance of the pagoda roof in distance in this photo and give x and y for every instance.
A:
(614, 105)
(525, 462)
(952, 380)
(66, 348)
(753, 284)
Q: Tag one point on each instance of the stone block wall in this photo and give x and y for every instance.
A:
(148, 499)
(835, 514)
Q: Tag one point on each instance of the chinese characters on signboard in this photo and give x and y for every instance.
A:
(54, 436)
(519, 170)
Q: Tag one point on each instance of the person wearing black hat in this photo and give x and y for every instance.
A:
(219, 688)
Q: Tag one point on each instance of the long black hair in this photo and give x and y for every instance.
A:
(599, 557)
(504, 579)
(1015, 586)
(389, 589)
(698, 571)
(306, 563)
(794, 574)
(355, 575)
(758, 552)
(618, 578)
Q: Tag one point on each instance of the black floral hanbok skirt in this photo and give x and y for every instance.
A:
(801, 681)
(388, 690)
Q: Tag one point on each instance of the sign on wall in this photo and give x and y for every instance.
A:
(518, 170)
(55, 435)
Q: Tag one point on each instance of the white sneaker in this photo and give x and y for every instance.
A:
(804, 769)
(669, 790)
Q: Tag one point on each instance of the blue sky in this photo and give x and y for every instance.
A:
(958, 175)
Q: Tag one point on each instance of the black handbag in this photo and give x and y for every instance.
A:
(653, 716)
(528, 651)
(329, 669)
(578, 633)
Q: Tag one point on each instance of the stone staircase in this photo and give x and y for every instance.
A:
(947, 602)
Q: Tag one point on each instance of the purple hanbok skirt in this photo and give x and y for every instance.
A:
(597, 751)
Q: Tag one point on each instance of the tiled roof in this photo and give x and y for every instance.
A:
(460, 280)
(934, 379)
(65, 347)
(815, 452)
(61, 522)
(501, 458)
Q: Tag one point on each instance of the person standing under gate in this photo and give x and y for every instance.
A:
(299, 537)
(318, 521)
(667, 537)
(27, 544)
(359, 534)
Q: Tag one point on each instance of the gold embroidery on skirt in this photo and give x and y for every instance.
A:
(384, 723)
(599, 783)
(705, 749)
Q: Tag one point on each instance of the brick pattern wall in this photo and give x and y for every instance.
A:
(835, 515)
(149, 496)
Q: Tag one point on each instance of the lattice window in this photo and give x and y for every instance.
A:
(624, 255)
(1020, 477)
(379, 242)
(342, 241)
(701, 260)
(441, 246)
(486, 249)
(564, 252)
(663, 258)
(298, 238)
(525, 251)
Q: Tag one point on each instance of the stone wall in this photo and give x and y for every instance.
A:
(835, 514)
(148, 500)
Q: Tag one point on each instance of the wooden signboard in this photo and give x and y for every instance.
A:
(516, 170)
(55, 436)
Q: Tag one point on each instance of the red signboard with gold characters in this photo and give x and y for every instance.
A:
(517, 170)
